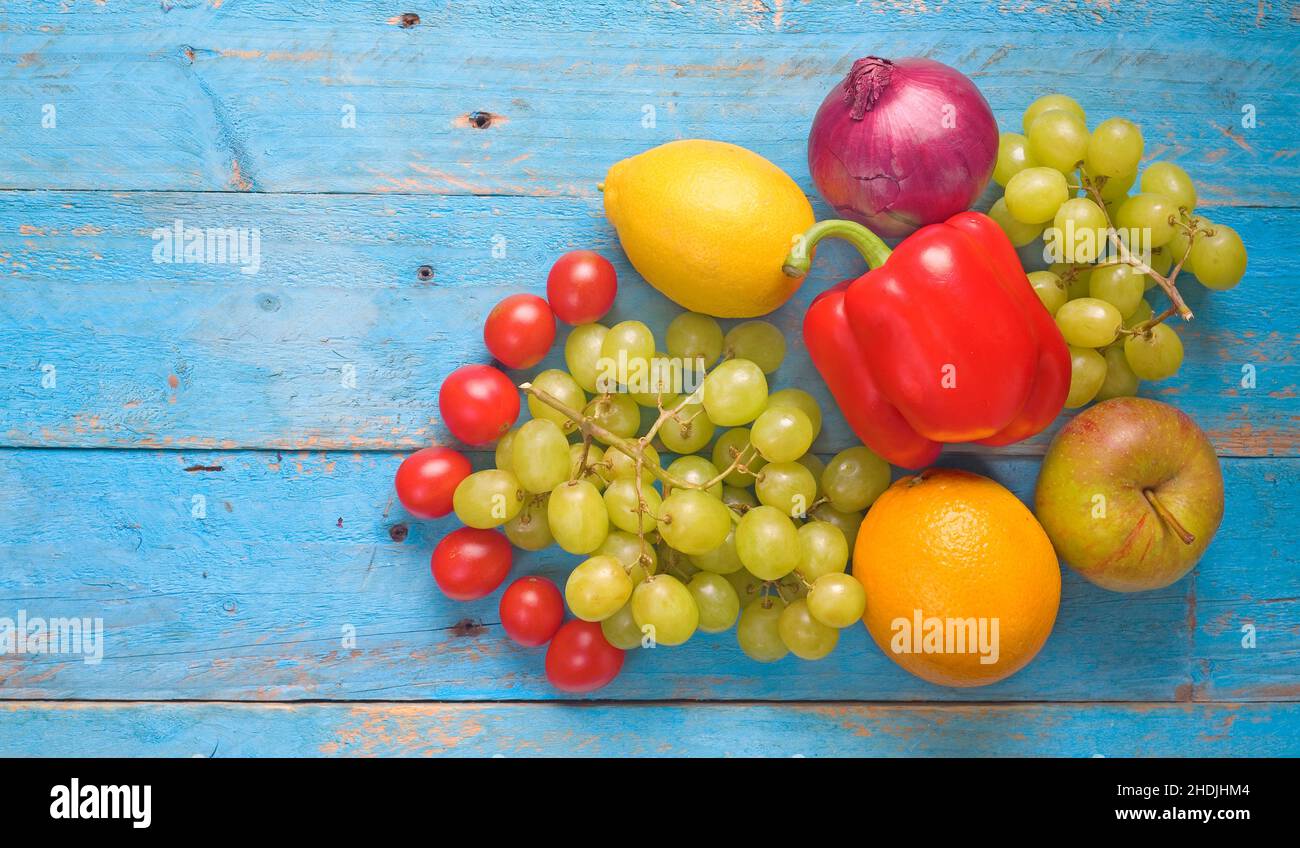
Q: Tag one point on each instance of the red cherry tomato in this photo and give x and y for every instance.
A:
(427, 479)
(469, 563)
(478, 403)
(519, 330)
(581, 287)
(532, 609)
(580, 659)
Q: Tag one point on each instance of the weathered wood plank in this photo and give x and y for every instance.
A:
(255, 96)
(642, 730)
(255, 598)
(203, 355)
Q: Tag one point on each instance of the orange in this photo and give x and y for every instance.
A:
(962, 582)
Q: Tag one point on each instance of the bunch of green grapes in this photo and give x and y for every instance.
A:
(1109, 246)
(696, 505)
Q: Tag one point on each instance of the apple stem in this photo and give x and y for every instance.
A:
(1168, 517)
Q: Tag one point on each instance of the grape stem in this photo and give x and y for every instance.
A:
(634, 448)
(1125, 256)
(736, 466)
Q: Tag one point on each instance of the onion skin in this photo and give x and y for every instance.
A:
(899, 145)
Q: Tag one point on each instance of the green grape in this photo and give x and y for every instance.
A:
(1145, 220)
(1089, 322)
(717, 601)
(540, 456)
(1050, 289)
(721, 560)
(661, 383)
(757, 341)
(487, 499)
(693, 522)
(577, 517)
(1019, 234)
(791, 587)
(595, 465)
(767, 542)
(1114, 148)
(1179, 246)
(735, 392)
(559, 385)
(782, 435)
(621, 629)
(1115, 188)
(1048, 102)
(582, 354)
(530, 530)
(815, 467)
(727, 448)
(1120, 380)
(748, 587)
(597, 588)
(695, 336)
(837, 600)
(847, 522)
(688, 430)
(823, 549)
(1087, 372)
(627, 345)
(806, 637)
(1034, 195)
(618, 414)
(1168, 179)
(1075, 277)
(1120, 285)
(637, 555)
(1140, 314)
(676, 561)
(1154, 355)
(504, 449)
(734, 496)
(1013, 157)
(800, 400)
(854, 478)
(695, 470)
(1161, 261)
(788, 486)
(1079, 230)
(621, 502)
(1219, 257)
(623, 467)
(662, 604)
(758, 630)
(1058, 139)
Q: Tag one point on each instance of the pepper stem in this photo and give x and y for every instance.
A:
(799, 260)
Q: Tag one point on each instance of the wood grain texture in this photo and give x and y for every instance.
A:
(252, 96)
(254, 600)
(649, 730)
(205, 356)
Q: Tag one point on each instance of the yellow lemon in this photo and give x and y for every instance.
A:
(709, 224)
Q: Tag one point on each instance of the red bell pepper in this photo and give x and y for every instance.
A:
(942, 341)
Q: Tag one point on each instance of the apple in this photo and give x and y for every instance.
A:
(1130, 493)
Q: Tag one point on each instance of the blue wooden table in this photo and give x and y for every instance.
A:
(203, 457)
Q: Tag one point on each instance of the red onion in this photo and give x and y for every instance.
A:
(899, 145)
